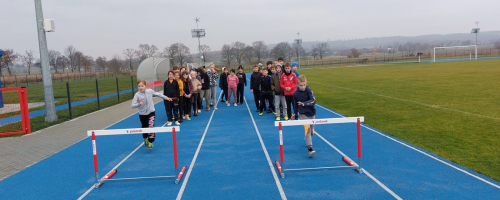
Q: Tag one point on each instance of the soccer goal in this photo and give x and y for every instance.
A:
(351, 164)
(93, 133)
(466, 50)
(14, 111)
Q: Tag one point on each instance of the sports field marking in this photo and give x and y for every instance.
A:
(416, 102)
(184, 183)
(382, 134)
(121, 162)
(364, 170)
(280, 188)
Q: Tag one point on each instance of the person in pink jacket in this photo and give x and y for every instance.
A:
(289, 83)
(232, 84)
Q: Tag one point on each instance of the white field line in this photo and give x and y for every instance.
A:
(415, 102)
(280, 188)
(188, 173)
(437, 159)
(363, 170)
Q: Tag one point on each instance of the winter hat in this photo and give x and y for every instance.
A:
(294, 64)
(260, 64)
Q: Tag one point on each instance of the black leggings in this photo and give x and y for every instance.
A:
(148, 121)
(171, 107)
(239, 93)
(289, 102)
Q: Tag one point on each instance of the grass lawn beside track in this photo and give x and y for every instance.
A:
(451, 109)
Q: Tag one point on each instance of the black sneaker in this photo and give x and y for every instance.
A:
(222, 100)
(311, 152)
(211, 105)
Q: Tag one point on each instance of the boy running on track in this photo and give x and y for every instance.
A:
(143, 99)
(304, 102)
(289, 83)
(171, 89)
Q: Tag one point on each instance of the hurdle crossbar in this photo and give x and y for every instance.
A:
(107, 177)
(352, 165)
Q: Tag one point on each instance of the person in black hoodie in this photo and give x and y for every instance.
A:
(223, 84)
(255, 85)
(242, 81)
(171, 89)
(304, 101)
(265, 92)
(205, 88)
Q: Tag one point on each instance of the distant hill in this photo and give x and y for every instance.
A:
(486, 38)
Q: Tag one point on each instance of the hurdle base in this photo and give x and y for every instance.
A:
(351, 163)
(282, 174)
(179, 177)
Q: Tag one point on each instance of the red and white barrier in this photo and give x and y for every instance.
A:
(179, 177)
(109, 175)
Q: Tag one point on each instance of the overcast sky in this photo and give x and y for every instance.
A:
(106, 27)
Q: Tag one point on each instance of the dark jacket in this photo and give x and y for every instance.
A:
(306, 97)
(188, 88)
(265, 84)
(242, 78)
(255, 81)
(275, 84)
(171, 89)
(223, 81)
(205, 81)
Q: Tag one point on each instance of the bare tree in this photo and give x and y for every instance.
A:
(298, 50)
(115, 64)
(181, 53)
(237, 50)
(129, 55)
(323, 48)
(63, 62)
(249, 52)
(28, 59)
(260, 49)
(226, 54)
(205, 52)
(8, 58)
(170, 53)
(101, 63)
(315, 52)
(146, 51)
(54, 59)
(78, 60)
(70, 53)
(87, 62)
(282, 50)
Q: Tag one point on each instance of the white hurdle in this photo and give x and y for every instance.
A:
(107, 177)
(352, 165)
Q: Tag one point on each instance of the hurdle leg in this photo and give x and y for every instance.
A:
(280, 167)
(174, 136)
(359, 146)
(96, 168)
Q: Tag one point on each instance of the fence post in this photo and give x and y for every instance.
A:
(80, 76)
(69, 100)
(97, 89)
(117, 90)
(132, 81)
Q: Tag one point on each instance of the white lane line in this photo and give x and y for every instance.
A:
(184, 183)
(92, 187)
(364, 170)
(282, 193)
(415, 102)
(382, 134)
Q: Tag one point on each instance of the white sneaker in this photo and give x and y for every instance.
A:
(199, 111)
(228, 104)
(169, 123)
(177, 123)
(183, 117)
(235, 104)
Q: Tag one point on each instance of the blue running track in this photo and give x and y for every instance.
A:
(230, 154)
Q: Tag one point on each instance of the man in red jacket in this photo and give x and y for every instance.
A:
(289, 83)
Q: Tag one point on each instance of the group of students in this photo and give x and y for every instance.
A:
(282, 89)
(182, 91)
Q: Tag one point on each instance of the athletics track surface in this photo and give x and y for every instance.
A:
(231, 163)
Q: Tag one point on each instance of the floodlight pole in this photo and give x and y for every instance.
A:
(477, 26)
(298, 41)
(50, 108)
(198, 35)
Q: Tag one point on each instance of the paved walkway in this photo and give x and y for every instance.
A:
(18, 153)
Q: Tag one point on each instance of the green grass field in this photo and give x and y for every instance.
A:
(451, 109)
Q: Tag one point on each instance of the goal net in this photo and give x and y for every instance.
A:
(455, 52)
